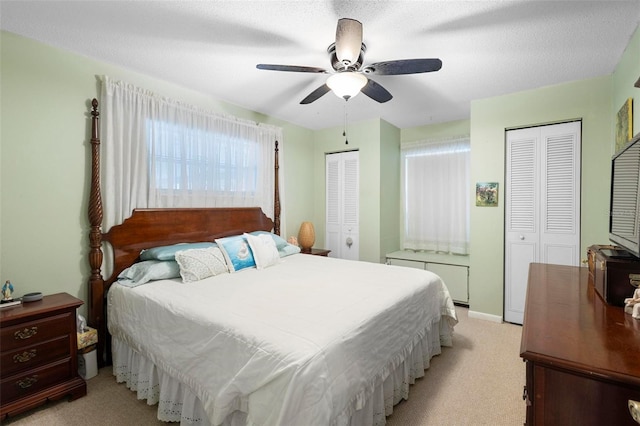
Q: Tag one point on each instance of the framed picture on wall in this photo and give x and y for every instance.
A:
(487, 194)
(624, 124)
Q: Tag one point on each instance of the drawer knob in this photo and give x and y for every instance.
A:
(26, 333)
(24, 356)
(27, 382)
(634, 409)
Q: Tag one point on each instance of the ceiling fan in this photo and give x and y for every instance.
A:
(349, 77)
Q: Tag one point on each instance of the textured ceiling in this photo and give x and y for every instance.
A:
(488, 48)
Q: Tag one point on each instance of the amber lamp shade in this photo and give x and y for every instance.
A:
(306, 236)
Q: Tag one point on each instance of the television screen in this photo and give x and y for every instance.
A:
(624, 216)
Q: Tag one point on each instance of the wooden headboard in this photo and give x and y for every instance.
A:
(148, 228)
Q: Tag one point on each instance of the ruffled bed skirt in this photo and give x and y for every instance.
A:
(177, 403)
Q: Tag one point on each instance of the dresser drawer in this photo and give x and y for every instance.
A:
(20, 385)
(34, 355)
(41, 330)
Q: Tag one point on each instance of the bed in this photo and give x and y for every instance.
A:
(298, 340)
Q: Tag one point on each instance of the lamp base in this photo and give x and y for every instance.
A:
(306, 236)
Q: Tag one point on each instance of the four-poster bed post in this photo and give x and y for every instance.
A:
(96, 306)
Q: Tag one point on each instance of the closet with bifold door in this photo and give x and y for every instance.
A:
(343, 204)
(542, 205)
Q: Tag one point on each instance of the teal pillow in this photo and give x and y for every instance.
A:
(169, 252)
(280, 242)
(288, 250)
(149, 270)
(237, 252)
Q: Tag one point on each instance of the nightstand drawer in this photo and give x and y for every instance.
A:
(37, 331)
(34, 355)
(20, 385)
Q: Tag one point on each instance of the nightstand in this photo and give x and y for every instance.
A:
(316, 252)
(38, 358)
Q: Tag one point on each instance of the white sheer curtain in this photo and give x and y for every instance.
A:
(436, 195)
(159, 152)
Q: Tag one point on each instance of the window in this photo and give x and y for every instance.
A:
(436, 195)
(194, 160)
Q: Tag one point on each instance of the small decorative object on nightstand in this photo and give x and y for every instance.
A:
(306, 236)
(7, 291)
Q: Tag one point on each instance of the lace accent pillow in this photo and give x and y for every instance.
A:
(198, 264)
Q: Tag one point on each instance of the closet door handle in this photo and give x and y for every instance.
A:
(522, 237)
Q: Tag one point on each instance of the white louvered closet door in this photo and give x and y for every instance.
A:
(542, 206)
(342, 199)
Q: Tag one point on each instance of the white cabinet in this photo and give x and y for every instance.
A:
(456, 278)
(454, 270)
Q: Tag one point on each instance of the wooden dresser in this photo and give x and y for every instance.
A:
(582, 355)
(38, 354)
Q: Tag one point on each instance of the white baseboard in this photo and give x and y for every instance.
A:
(486, 317)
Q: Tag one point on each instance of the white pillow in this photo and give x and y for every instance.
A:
(198, 264)
(264, 249)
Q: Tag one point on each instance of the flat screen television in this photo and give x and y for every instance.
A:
(624, 209)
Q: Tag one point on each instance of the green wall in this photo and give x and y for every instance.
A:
(587, 100)
(44, 165)
(436, 131)
(624, 77)
(363, 136)
(389, 189)
(378, 144)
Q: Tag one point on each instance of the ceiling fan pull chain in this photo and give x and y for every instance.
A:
(344, 133)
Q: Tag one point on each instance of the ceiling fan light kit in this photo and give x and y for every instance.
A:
(346, 55)
(346, 85)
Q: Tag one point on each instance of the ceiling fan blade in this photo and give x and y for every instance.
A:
(316, 94)
(348, 40)
(376, 92)
(404, 66)
(290, 68)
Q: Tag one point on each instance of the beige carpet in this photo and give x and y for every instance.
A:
(478, 381)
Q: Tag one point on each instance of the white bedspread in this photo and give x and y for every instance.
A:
(296, 343)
